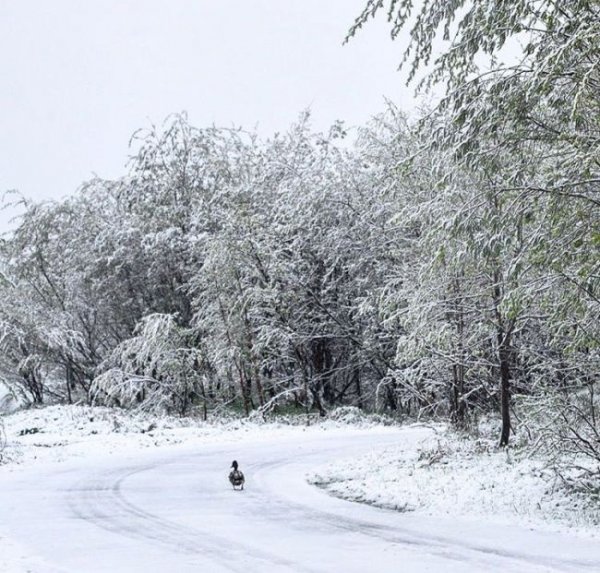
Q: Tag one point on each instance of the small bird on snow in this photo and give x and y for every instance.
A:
(236, 477)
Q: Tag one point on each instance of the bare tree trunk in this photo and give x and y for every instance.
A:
(204, 408)
(259, 387)
(69, 379)
(244, 392)
(35, 388)
(458, 406)
(390, 398)
(504, 359)
(318, 402)
(359, 395)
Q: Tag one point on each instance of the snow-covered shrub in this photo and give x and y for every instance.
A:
(155, 370)
(10, 400)
(352, 415)
(566, 426)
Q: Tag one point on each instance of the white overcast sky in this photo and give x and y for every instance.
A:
(80, 76)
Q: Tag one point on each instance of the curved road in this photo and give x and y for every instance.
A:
(173, 511)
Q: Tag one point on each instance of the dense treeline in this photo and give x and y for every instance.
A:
(302, 271)
(220, 270)
(447, 267)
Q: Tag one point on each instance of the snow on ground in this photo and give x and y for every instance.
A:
(447, 475)
(438, 476)
(106, 475)
(15, 558)
(57, 433)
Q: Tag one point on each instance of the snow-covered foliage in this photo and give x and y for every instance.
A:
(302, 273)
(221, 271)
(155, 369)
(508, 277)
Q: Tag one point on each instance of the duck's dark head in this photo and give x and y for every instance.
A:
(234, 465)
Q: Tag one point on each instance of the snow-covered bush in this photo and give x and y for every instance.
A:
(565, 425)
(155, 370)
(352, 415)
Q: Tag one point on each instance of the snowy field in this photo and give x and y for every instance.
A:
(98, 490)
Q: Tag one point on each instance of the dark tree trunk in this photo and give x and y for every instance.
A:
(35, 388)
(259, 387)
(504, 329)
(321, 366)
(69, 379)
(458, 406)
(318, 402)
(359, 395)
(504, 359)
(204, 406)
(244, 391)
(390, 398)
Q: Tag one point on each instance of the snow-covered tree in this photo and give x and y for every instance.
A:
(520, 116)
(156, 369)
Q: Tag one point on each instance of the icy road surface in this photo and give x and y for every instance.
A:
(172, 510)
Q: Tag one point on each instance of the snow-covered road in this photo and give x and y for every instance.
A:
(173, 510)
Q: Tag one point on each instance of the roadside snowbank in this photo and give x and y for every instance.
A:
(57, 433)
(447, 475)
